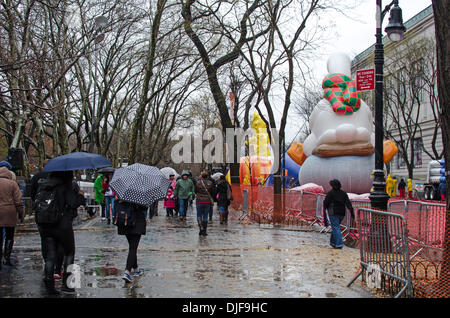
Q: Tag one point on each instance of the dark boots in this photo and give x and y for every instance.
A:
(50, 286)
(8, 250)
(199, 222)
(202, 225)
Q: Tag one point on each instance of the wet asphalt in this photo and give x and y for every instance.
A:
(236, 260)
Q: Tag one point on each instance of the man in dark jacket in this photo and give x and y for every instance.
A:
(335, 203)
(205, 192)
(60, 233)
(223, 201)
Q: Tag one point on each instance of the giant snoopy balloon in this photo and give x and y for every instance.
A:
(341, 143)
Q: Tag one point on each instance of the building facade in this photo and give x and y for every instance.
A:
(410, 101)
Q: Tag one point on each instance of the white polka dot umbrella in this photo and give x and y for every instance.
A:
(140, 184)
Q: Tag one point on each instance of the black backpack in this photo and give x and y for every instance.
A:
(45, 206)
(125, 214)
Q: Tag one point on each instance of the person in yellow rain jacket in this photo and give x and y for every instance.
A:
(394, 187)
(389, 185)
(409, 188)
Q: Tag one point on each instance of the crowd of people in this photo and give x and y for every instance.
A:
(56, 198)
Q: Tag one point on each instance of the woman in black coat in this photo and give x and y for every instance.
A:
(133, 234)
(222, 200)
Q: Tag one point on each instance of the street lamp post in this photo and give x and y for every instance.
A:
(395, 30)
(100, 23)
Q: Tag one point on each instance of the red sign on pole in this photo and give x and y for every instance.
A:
(365, 80)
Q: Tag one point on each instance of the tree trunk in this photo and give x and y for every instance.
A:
(441, 9)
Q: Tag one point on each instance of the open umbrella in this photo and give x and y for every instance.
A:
(167, 171)
(106, 170)
(77, 161)
(217, 175)
(140, 184)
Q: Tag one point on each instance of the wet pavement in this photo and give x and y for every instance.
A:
(238, 260)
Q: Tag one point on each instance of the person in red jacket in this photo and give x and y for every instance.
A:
(109, 197)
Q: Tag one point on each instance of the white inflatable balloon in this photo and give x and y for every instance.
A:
(352, 171)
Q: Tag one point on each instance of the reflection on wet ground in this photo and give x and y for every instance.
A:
(234, 260)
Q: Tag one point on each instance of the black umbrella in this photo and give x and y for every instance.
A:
(106, 170)
(140, 184)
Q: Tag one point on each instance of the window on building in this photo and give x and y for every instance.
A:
(418, 87)
(401, 86)
(417, 152)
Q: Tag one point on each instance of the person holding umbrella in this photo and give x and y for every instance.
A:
(55, 206)
(137, 187)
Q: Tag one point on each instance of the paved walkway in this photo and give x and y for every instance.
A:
(234, 260)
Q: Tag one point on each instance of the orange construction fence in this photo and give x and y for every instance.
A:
(427, 227)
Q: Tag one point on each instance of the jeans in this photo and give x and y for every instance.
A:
(336, 235)
(109, 206)
(203, 211)
(211, 211)
(183, 206)
(103, 210)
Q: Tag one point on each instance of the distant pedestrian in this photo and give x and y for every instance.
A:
(184, 189)
(211, 210)
(100, 195)
(409, 187)
(54, 221)
(169, 200)
(109, 196)
(133, 226)
(224, 197)
(401, 188)
(442, 190)
(205, 193)
(11, 209)
(335, 203)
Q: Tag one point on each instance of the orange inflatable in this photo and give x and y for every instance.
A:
(296, 153)
(260, 170)
(389, 150)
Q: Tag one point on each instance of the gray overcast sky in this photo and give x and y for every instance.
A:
(353, 37)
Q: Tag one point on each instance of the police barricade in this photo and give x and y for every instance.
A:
(319, 214)
(384, 252)
(426, 227)
(89, 195)
(349, 227)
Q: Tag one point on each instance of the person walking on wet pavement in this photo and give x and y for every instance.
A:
(133, 226)
(224, 195)
(335, 203)
(11, 207)
(169, 202)
(99, 194)
(184, 188)
(57, 232)
(108, 197)
(205, 192)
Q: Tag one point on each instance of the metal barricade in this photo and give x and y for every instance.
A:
(384, 252)
(89, 195)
